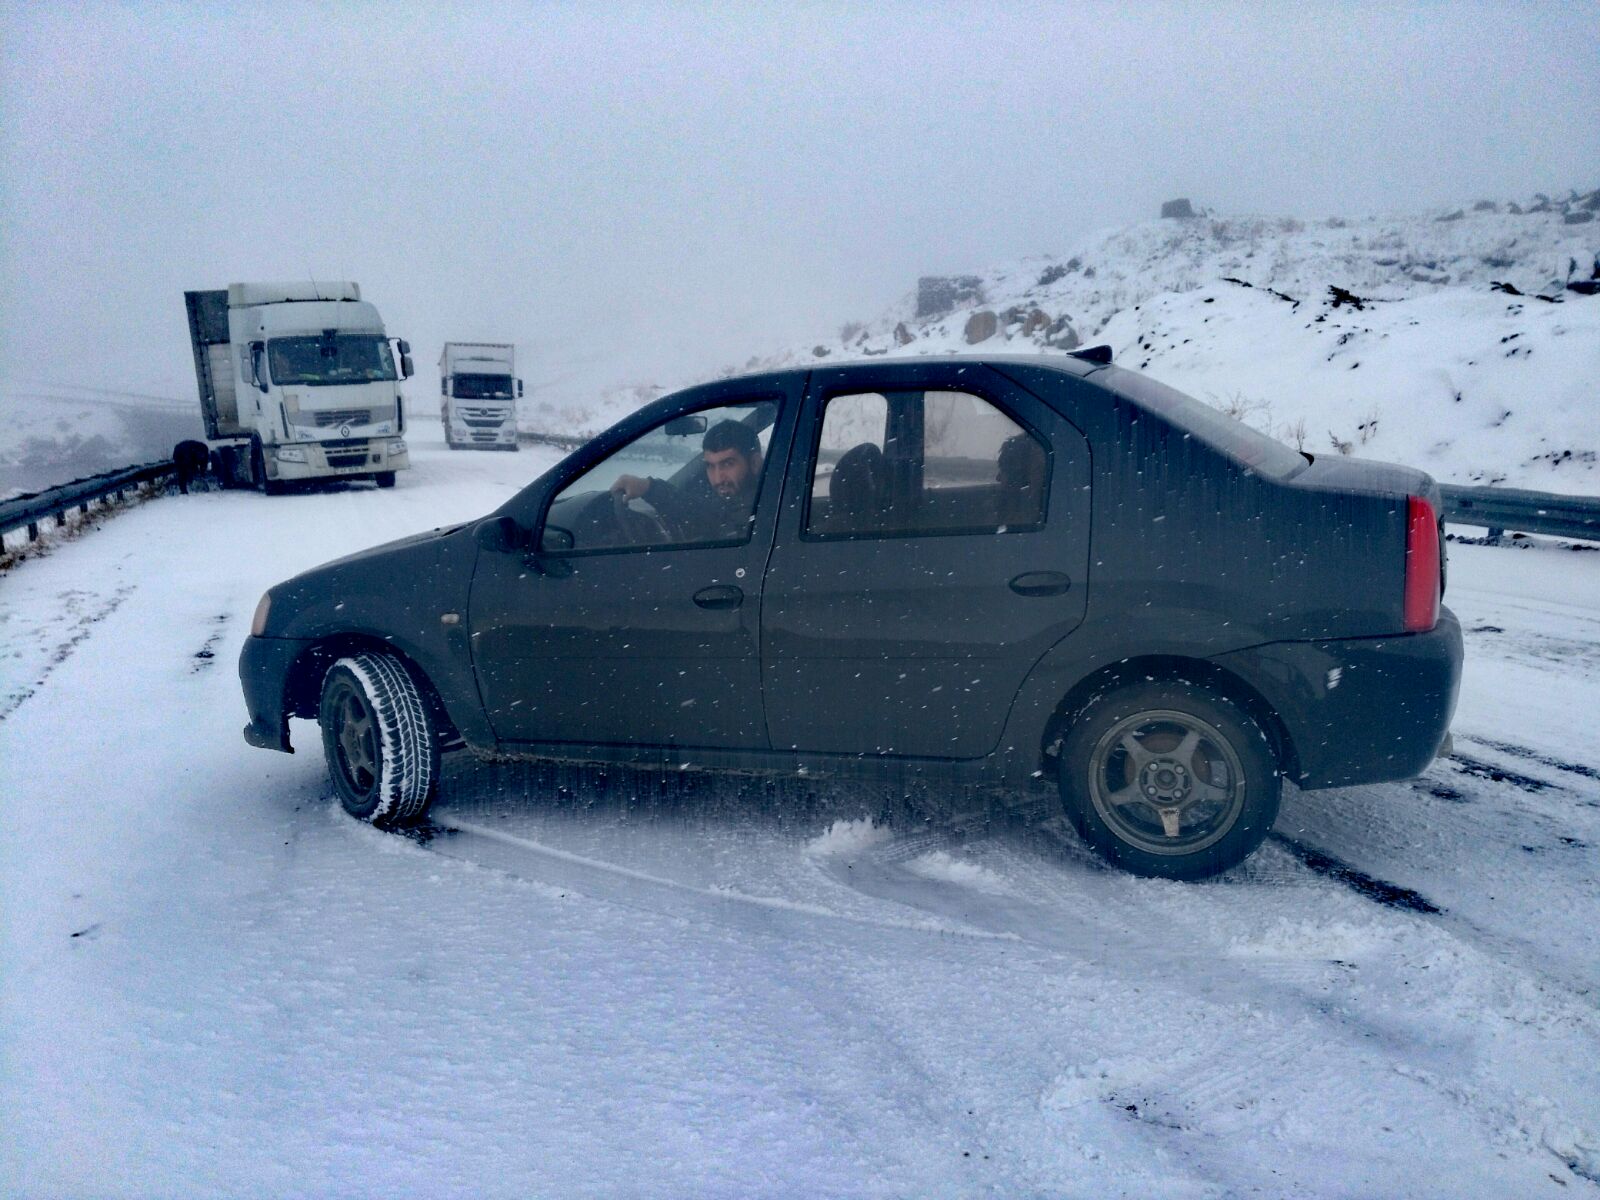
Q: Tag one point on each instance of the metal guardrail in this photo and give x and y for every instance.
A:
(1494, 509)
(54, 504)
(563, 440)
(1499, 509)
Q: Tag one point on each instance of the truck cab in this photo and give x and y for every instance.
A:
(478, 391)
(299, 382)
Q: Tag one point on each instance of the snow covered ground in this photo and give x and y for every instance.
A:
(584, 982)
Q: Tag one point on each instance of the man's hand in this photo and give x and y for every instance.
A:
(630, 487)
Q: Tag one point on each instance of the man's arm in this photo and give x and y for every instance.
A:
(675, 508)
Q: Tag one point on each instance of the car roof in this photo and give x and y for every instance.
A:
(1066, 364)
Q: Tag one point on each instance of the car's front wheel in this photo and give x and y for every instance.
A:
(1168, 779)
(379, 738)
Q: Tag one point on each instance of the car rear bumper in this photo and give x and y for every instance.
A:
(264, 666)
(1360, 710)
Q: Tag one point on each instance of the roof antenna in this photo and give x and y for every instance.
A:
(316, 288)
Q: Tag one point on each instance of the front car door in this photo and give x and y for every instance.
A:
(636, 623)
(933, 544)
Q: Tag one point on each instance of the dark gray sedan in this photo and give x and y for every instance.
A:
(982, 571)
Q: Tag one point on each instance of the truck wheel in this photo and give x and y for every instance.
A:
(378, 736)
(1170, 780)
(384, 478)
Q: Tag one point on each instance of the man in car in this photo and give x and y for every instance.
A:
(717, 505)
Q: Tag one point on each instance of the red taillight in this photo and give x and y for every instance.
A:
(1422, 566)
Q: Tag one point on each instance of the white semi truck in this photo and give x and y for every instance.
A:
(298, 382)
(479, 385)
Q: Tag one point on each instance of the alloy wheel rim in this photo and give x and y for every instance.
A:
(1167, 782)
(356, 737)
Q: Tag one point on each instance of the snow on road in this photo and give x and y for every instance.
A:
(592, 982)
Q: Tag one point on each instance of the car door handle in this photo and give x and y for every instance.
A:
(1041, 583)
(722, 595)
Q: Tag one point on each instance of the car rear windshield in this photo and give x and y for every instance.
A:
(1238, 441)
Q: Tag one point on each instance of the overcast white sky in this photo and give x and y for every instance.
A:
(648, 193)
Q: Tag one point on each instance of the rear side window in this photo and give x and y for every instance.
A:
(924, 463)
(1237, 440)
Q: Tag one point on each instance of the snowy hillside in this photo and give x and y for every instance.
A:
(50, 434)
(1431, 363)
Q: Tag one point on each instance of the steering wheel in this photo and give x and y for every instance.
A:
(638, 528)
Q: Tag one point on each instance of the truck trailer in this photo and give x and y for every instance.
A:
(298, 382)
(479, 390)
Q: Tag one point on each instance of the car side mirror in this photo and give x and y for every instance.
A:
(501, 536)
(556, 539)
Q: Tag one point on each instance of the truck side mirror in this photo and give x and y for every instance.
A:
(406, 369)
(405, 346)
(257, 354)
(519, 389)
(444, 386)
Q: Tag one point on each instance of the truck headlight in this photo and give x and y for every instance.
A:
(291, 454)
(398, 446)
(258, 623)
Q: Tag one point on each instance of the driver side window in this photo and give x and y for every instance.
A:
(692, 480)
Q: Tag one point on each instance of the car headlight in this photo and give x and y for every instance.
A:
(291, 454)
(398, 446)
(258, 623)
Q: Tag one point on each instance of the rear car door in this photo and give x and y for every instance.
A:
(932, 545)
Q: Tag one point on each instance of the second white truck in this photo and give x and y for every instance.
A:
(479, 388)
(298, 382)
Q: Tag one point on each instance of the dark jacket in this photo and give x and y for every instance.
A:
(697, 514)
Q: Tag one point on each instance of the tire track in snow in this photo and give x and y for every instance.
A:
(81, 628)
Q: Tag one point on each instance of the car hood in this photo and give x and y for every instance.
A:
(405, 543)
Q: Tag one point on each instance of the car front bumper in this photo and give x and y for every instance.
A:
(1360, 710)
(264, 666)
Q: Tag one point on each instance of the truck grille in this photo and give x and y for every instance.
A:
(343, 416)
(347, 460)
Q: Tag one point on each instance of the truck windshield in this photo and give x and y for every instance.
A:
(323, 360)
(482, 387)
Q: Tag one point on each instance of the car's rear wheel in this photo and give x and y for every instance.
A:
(379, 738)
(1168, 779)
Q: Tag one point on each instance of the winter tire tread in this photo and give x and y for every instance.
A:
(408, 776)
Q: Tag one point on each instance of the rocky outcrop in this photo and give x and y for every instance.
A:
(981, 326)
(1178, 209)
(939, 294)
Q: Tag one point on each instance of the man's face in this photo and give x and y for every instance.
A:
(729, 472)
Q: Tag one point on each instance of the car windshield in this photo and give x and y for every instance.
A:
(328, 359)
(482, 387)
(1234, 438)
